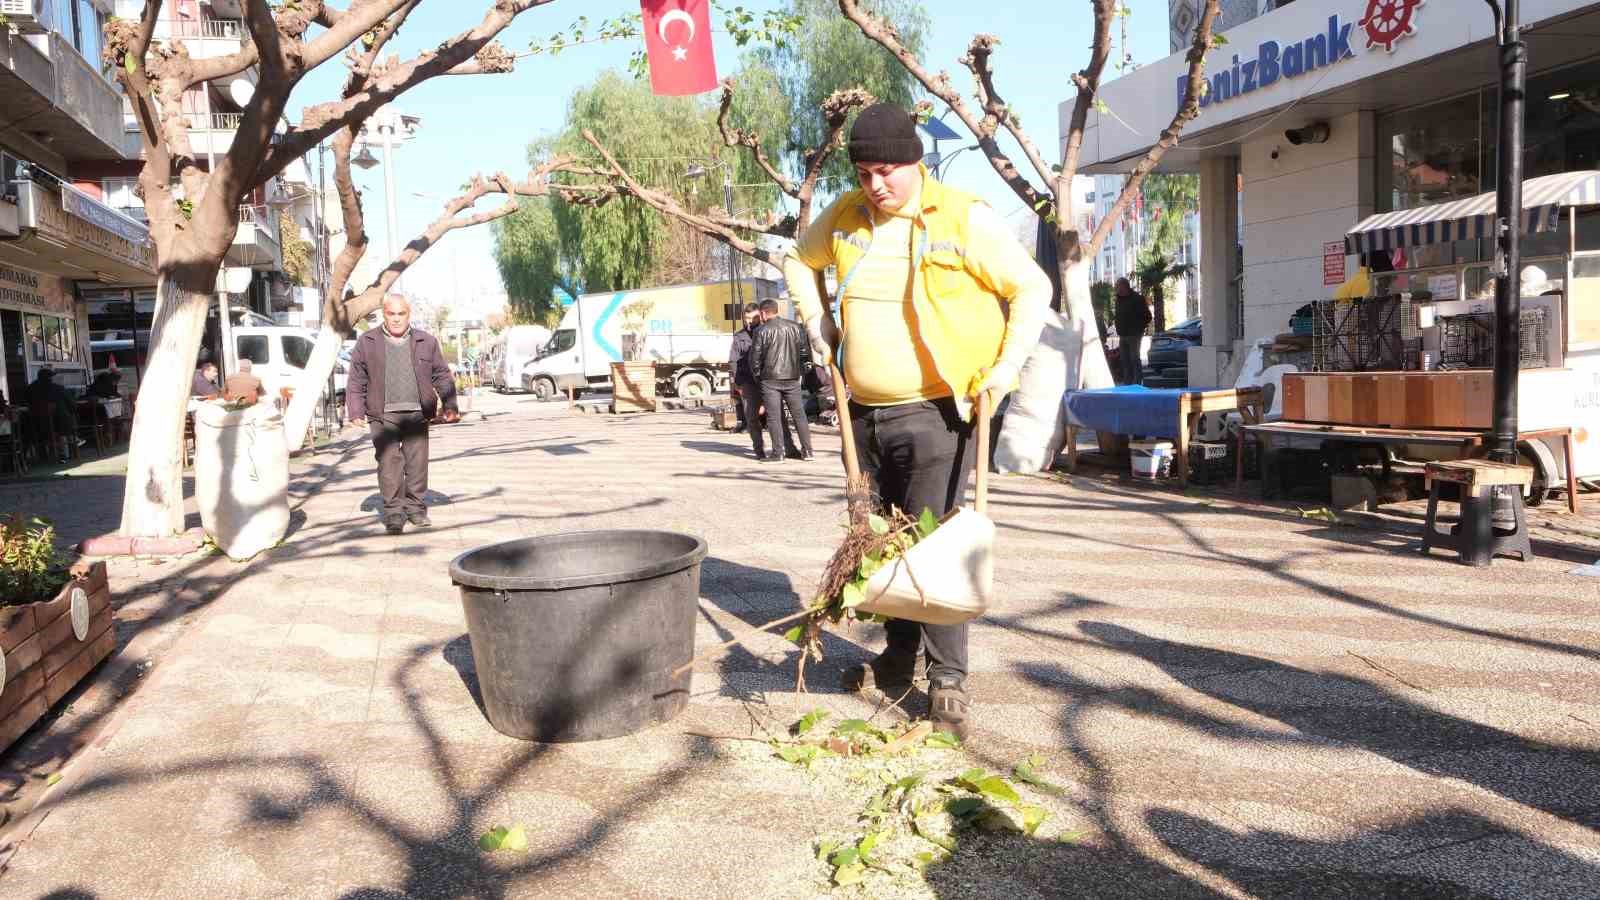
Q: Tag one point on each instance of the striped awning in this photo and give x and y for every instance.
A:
(1543, 200)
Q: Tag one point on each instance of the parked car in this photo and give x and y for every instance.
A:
(1169, 350)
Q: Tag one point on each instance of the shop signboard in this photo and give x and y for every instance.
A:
(1333, 263)
(50, 217)
(1385, 24)
(91, 210)
(29, 291)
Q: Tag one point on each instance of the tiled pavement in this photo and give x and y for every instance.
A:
(1238, 702)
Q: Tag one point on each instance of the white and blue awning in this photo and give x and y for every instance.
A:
(1543, 201)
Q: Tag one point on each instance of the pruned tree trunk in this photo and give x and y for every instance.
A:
(310, 386)
(1086, 363)
(1158, 303)
(152, 503)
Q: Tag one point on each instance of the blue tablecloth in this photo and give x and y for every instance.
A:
(1130, 409)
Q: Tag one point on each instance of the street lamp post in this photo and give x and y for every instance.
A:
(1508, 213)
(393, 129)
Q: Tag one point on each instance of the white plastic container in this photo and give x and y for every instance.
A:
(1150, 459)
(241, 477)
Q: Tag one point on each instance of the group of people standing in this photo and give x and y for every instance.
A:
(770, 359)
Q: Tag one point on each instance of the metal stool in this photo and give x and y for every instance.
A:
(1473, 536)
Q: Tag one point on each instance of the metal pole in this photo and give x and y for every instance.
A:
(386, 133)
(733, 255)
(1508, 210)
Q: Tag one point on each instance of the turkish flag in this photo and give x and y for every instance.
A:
(677, 40)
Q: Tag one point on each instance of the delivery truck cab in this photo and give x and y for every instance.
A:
(686, 330)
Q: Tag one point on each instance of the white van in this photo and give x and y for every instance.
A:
(506, 354)
(279, 353)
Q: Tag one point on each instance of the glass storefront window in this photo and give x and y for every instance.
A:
(50, 339)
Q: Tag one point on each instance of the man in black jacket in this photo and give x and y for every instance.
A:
(746, 390)
(1132, 318)
(778, 360)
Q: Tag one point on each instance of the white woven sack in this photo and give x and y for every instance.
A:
(1035, 428)
(953, 566)
(241, 477)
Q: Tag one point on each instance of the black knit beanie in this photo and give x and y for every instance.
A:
(884, 133)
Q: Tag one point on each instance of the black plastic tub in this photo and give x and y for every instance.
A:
(575, 636)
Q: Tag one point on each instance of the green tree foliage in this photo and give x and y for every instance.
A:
(1169, 199)
(830, 53)
(527, 251)
(298, 262)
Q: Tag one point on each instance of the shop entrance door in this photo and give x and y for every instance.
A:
(16, 363)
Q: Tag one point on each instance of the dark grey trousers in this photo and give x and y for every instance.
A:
(1128, 358)
(776, 395)
(401, 443)
(918, 456)
(750, 410)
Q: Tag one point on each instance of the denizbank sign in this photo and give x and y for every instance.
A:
(1385, 23)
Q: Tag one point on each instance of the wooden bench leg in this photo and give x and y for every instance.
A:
(1430, 527)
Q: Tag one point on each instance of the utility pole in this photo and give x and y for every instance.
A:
(1508, 213)
(733, 256)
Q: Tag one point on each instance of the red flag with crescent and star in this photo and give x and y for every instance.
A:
(677, 41)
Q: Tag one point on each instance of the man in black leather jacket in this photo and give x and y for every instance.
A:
(778, 359)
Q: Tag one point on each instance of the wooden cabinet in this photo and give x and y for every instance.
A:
(1390, 399)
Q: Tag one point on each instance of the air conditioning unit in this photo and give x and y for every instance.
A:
(23, 16)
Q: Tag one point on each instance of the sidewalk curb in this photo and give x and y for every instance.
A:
(114, 544)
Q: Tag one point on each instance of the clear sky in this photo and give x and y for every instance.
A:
(484, 123)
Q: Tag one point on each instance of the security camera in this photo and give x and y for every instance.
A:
(1315, 133)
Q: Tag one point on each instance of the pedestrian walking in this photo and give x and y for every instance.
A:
(778, 359)
(746, 389)
(1132, 318)
(938, 302)
(397, 382)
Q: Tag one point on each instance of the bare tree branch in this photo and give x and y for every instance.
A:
(322, 120)
(734, 137)
(451, 219)
(997, 110)
(835, 110)
(882, 32)
(1187, 110)
(1088, 84)
(666, 204)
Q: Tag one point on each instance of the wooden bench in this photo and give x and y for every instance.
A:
(1473, 536)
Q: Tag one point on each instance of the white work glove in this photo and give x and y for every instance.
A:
(997, 381)
(824, 339)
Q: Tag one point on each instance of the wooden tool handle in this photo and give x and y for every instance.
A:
(985, 414)
(847, 434)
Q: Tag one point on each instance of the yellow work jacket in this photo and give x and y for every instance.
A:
(959, 318)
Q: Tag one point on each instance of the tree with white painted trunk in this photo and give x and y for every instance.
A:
(193, 209)
(1085, 358)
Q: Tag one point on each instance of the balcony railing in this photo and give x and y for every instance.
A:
(211, 29)
(215, 121)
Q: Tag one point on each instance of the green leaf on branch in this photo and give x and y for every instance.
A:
(502, 838)
(942, 740)
(878, 524)
(801, 754)
(130, 62)
(852, 726)
(795, 635)
(854, 594)
(1032, 817)
(965, 807)
(927, 523)
(1028, 771)
(808, 721)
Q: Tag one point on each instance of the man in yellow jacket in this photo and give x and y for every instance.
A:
(937, 302)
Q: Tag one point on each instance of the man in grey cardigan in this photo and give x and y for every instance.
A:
(398, 380)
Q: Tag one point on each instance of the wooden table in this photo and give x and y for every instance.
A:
(1465, 441)
(1247, 402)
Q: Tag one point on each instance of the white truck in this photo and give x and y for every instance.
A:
(685, 330)
(506, 354)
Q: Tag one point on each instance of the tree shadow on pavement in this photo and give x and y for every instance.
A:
(1157, 812)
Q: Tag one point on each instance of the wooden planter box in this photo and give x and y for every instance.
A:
(1390, 399)
(633, 387)
(46, 648)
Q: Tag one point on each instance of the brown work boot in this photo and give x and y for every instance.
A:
(948, 705)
